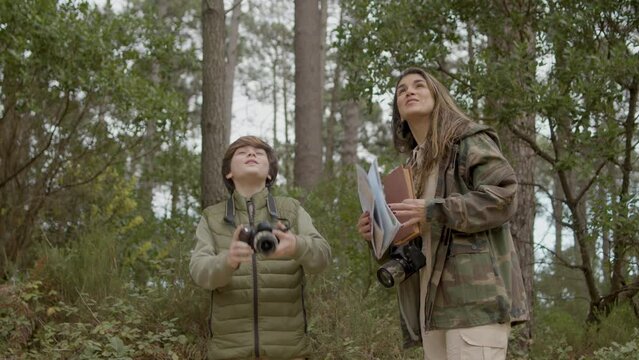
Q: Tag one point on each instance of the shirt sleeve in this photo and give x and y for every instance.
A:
(491, 199)
(313, 252)
(208, 269)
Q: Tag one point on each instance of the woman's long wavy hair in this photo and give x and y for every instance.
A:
(447, 123)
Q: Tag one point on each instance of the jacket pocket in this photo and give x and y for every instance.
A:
(469, 275)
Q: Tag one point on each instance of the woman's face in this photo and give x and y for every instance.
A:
(414, 98)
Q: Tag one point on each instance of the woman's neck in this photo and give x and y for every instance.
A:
(419, 128)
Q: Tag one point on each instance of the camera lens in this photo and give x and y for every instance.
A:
(392, 272)
(385, 278)
(265, 242)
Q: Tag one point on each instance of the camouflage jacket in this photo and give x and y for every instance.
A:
(476, 278)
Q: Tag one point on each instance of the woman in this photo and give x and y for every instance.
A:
(258, 305)
(465, 299)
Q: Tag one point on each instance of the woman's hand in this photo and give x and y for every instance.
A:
(239, 251)
(413, 209)
(364, 226)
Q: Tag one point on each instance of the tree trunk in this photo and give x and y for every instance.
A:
(213, 122)
(231, 63)
(523, 162)
(323, 21)
(148, 161)
(331, 122)
(352, 121)
(557, 212)
(516, 32)
(12, 155)
(308, 94)
(274, 96)
(622, 238)
(330, 126)
(287, 141)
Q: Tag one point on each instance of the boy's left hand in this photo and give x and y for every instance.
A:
(288, 242)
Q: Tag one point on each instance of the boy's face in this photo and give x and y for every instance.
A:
(248, 165)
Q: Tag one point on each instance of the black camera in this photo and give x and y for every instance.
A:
(261, 238)
(405, 260)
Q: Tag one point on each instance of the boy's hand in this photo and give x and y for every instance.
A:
(239, 251)
(288, 243)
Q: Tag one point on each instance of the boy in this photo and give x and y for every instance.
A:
(257, 300)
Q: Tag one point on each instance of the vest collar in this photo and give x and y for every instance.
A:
(259, 200)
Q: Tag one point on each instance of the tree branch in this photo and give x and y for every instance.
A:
(564, 262)
(233, 7)
(532, 143)
(442, 68)
(592, 180)
(61, 117)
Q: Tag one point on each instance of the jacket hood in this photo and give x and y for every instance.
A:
(476, 128)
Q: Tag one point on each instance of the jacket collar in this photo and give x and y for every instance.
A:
(259, 200)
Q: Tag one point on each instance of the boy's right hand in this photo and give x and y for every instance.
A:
(364, 226)
(239, 251)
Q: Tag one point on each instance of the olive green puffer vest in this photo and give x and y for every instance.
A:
(260, 312)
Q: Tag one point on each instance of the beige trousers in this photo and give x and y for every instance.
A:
(486, 342)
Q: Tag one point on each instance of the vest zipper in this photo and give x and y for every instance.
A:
(250, 206)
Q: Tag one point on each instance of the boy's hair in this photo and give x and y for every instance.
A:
(255, 142)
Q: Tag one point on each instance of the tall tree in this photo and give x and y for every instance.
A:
(588, 104)
(308, 94)
(231, 62)
(351, 121)
(63, 111)
(214, 116)
(266, 69)
(511, 45)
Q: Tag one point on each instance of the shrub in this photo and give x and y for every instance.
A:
(627, 351)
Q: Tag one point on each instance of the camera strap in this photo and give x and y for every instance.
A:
(270, 205)
(229, 215)
(443, 249)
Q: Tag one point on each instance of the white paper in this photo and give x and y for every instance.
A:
(384, 224)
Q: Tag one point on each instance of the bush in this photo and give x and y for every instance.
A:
(627, 351)
(90, 264)
(559, 334)
(114, 328)
(347, 323)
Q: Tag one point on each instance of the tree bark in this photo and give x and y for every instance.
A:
(504, 42)
(287, 141)
(352, 121)
(331, 122)
(308, 94)
(213, 122)
(231, 63)
(622, 238)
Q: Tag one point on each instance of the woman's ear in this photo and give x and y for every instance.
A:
(229, 175)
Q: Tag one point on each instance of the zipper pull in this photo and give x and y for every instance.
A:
(250, 207)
